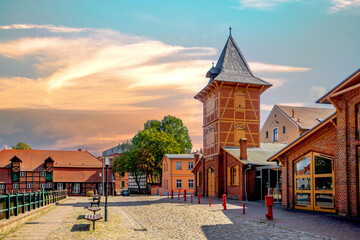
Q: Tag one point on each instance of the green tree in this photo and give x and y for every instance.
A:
(175, 127)
(157, 143)
(22, 146)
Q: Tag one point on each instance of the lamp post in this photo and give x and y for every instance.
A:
(107, 163)
(100, 192)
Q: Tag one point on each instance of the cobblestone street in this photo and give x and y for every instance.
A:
(149, 217)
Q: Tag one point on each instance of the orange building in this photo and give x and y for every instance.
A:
(176, 172)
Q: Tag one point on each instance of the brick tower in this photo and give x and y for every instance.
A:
(231, 103)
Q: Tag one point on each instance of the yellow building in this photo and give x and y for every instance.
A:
(284, 124)
(176, 173)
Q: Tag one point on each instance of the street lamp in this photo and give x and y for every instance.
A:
(107, 163)
(100, 192)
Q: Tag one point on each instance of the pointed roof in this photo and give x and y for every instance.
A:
(232, 67)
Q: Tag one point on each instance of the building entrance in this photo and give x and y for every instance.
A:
(211, 182)
(314, 183)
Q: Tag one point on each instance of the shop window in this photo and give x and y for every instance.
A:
(190, 183)
(178, 183)
(314, 179)
(178, 165)
(190, 165)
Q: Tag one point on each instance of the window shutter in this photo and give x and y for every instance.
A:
(228, 176)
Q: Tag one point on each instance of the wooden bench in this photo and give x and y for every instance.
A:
(93, 218)
(96, 201)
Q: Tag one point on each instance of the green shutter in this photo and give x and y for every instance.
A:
(49, 176)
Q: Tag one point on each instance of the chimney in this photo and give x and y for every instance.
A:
(293, 113)
(196, 155)
(243, 148)
(79, 149)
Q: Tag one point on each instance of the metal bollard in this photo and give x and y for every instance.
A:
(224, 201)
(199, 195)
(185, 195)
(209, 201)
(243, 208)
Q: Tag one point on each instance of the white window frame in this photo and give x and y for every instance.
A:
(2, 186)
(15, 186)
(177, 166)
(60, 186)
(275, 136)
(178, 183)
(49, 185)
(76, 188)
(22, 174)
(29, 186)
(42, 185)
(190, 183)
(42, 174)
(190, 165)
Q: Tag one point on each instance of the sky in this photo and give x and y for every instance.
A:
(88, 74)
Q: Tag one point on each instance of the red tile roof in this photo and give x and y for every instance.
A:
(34, 159)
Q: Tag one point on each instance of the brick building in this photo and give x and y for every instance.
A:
(32, 170)
(231, 130)
(321, 168)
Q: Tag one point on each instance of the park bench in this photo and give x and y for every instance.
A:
(93, 218)
(95, 201)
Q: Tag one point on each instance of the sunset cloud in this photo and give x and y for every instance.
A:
(102, 71)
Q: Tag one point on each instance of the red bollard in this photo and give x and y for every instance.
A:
(243, 208)
(168, 194)
(269, 202)
(172, 194)
(185, 195)
(179, 194)
(191, 198)
(199, 198)
(209, 201)
(224, 202)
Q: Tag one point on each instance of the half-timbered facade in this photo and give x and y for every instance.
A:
(231, 120)
(32, 170)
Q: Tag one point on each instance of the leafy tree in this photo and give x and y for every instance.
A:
(22, 146)
(175, 127)
(157, 143)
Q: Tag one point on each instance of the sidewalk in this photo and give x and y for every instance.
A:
(319, 224)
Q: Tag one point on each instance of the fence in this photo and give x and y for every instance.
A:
(12, 205)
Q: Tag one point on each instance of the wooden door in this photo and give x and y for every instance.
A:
(211, 182)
